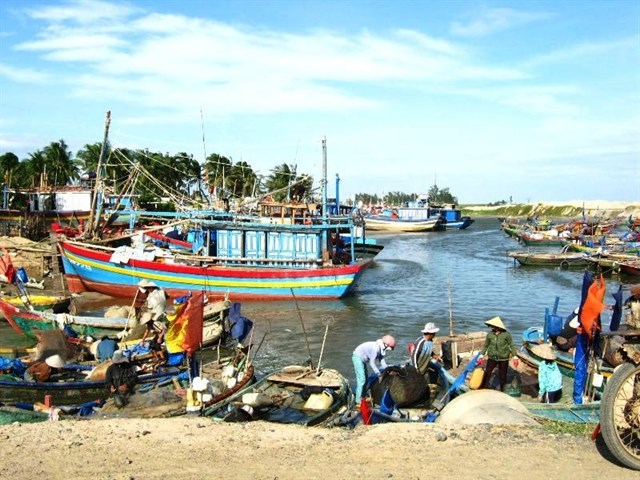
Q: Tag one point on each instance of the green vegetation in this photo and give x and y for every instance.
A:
(570, 428)
(55, 165)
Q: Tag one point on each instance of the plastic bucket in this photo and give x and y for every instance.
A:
(554, 325)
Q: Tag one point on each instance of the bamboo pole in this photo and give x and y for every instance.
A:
(306, 339)
(326, 330)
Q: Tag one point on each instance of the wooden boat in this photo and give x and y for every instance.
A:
(389, 223)
(27, 323)
(176, 396)
(630, 268)
(295, 394)
(54, 303)
(566, 412)
(70, 387)
(532, 336)
(251, 261)
(541, 259)
(539, 239)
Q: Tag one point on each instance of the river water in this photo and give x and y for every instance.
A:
(418, 278)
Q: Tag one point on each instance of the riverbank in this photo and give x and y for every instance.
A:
(196, 447)
(572, 209)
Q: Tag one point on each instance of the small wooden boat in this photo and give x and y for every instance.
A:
(532, 336)
(630, 268)
(26, 323)
(400, 225)
(69, 387)
(541, 259)
(296, 394)
(566, 412)
(539, 239)
(53, 303)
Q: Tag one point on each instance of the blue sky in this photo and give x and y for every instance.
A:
(529, 100)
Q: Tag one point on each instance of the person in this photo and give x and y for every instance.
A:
(105, 348)
(42, 370)
(121, 378)
(371, 353)
(422, 354)
(498, 348)
(549, 376)
(568, 336)
(632, 303)
(154, 320)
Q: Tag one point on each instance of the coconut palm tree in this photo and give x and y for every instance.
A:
(61, 168)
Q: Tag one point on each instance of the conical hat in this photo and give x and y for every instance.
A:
(544, 351)
(495, 322)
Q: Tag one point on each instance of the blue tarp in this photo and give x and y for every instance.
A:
(240, 326)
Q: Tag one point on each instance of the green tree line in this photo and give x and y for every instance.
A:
(56, 165)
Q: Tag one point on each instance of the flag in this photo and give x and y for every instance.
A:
(592, 308)
(185, 329)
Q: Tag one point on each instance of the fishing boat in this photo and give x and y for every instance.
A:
(533, 336)
(29, 322)
(390, 221)
(178, 395)
(53, 303)
(295, 394)
(71, 386)
(541, 259)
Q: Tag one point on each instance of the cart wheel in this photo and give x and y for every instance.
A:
(620, 415)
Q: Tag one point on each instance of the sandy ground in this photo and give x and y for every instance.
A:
(196, 447)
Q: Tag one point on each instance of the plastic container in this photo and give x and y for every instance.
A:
(319, 401)
(554, 325)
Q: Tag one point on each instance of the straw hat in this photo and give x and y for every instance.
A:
(55, 361)
(119, 357)
(430, 328)
(544, 351)
(495, 322)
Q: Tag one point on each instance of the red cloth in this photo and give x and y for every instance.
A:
(365, 411)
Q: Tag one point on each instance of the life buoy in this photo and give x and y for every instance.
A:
(564, 265)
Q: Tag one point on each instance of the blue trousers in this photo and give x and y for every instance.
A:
(361, 376)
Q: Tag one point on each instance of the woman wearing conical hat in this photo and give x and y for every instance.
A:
(498, 348)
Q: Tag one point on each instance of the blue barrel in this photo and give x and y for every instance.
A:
(554, 325)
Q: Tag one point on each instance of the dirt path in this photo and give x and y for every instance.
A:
(195, 448)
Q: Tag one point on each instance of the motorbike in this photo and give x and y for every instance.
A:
(620, 403)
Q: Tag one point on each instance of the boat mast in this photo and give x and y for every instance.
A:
(96, 206)
(324, 192)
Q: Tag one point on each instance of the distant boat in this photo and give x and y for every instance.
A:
(399, 220)
(541, 259)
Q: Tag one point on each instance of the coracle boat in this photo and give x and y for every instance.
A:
(296, 394)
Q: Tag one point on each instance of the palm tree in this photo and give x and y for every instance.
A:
(280, 178)
(61, 168)
(241, 179)
(217, 167)
(8, 165)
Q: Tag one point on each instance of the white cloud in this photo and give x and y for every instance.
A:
(496, 20)
(22, 75)
(83, 12)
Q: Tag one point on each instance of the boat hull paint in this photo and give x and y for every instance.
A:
(92, 270)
